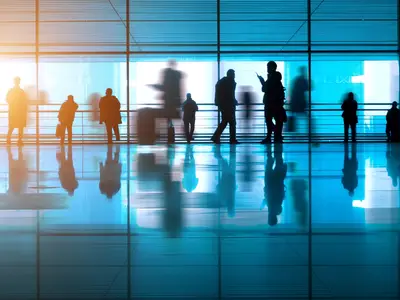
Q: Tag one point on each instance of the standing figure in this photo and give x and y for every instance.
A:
(349, 115)
(110, 114)
(274, 99)
(274, 183)
(189, 108)
(66, 171)
(17, 110)
(226, 102)
(110, 173)
(66, 117)
(393, 124)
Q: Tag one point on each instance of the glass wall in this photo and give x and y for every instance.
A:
(82, 48)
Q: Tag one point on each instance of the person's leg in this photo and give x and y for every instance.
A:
(232, 127)
(269, 124)
(109, 133)
(353, 132)
(9, 134)
(20, 134)
(116, 132)
(69, 129)
(278, 131)
(221, 127)
(346, 131)
(186, 129)
(193, 121)
(62, 137)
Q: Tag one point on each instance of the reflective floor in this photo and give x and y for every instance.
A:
(200, 221)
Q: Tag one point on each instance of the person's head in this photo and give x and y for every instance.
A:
(271, 66)
(350, 96)
(70, 98)
(172, 63)
(394, 104)
(303, 71)
(230, 74)
(109, 92)
(188, 96)
(17, 81)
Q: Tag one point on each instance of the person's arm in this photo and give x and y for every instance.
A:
(196, 107)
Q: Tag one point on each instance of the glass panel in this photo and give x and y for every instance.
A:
(354, 25)
(263, 26)
(374, 81)
(82, 77)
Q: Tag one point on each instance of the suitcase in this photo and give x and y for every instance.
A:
(291, 124)
(146, 127)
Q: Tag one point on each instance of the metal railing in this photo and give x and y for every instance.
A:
(327, 124)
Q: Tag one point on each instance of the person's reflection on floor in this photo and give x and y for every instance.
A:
(172, 198)
(17, 172)
(110, 173)
(66, 171)
(350, 167)
(190, 180)
(298, 189)
(226, 188)
(274, 186)
(393, 163)
(248, 169)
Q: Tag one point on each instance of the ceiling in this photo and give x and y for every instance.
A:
(191, 25)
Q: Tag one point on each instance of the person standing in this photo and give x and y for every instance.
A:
(226, 102)
(189, 108)
(17, 110)
(110, 114)
(66, 117)
(274, 98)
(349, 115)
(393, 124)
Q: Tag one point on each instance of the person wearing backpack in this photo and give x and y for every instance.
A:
(66, 117)
(274, 99)
(226, 102)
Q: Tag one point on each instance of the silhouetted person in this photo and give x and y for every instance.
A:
(349, 115)
(17, 173)
(274, 99)
(274, 183)
(393, 163)
(189, 108)
(226, 188)
(300, 87)
(171, 87)
(247, 98)
(350, 167)
(66, 117)
(17, 110)
(190, 180)
(393, 124)
(66, 171)
(110, 174)
(226, 102)
(110, 114)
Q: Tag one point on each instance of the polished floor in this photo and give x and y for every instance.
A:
(200, 221)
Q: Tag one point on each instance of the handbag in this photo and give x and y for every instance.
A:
(58, 130)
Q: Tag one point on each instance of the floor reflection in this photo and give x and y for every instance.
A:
(96, 219)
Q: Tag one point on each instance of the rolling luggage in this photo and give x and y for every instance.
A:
(146, 127)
